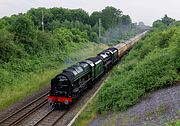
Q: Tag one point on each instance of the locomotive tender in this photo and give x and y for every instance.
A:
(67, 86)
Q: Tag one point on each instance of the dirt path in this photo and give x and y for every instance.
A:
(155, 109)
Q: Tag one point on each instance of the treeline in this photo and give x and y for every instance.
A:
(23, 34)
(115, 25)
(165, 22)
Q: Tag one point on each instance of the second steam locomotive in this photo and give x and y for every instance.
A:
(67, 86)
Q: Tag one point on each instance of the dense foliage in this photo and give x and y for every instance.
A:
(77, 18)
(22, 34)
(164, 22)
(152, 64)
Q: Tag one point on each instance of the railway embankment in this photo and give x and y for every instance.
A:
(151, 65)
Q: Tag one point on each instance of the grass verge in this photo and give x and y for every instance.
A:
(89, 113)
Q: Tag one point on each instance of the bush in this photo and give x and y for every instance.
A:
(8, 49)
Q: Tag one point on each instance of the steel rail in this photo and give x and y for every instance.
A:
(24, 107)
(28, 114)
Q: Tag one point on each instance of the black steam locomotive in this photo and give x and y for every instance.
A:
(67, 86)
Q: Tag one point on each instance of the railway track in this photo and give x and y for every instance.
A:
(51, 118)
(25, 111)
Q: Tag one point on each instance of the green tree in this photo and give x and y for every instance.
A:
(45, 43)
(159, 24)
(24, 28)
(63, 37)
(25, 32)
(110, 16)
(125, 20)
(8, 49)
(167, 20)
(93, 37)
(79, 15)
(94, 18)
(3, 24)
(59, 14)
(53, 25)
(177, 23)
(36, 16)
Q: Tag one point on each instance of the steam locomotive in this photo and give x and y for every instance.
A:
(67, 86)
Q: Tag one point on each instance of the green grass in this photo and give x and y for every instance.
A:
(26, 81)
(173, 123)
(87, 115)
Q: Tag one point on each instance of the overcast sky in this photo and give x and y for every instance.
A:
(139, 10)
